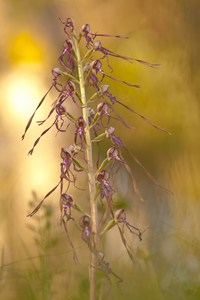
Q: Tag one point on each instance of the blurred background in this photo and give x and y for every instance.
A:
(36, 260)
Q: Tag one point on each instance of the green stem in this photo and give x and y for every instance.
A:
(91, 174)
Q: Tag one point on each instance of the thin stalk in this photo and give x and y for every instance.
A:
(91, 175)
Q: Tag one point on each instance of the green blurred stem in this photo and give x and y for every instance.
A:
(91, 175)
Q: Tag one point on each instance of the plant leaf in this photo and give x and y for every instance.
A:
(103, 164)
(76, 161)
(110, 225)
(99, 138)
(70, 76)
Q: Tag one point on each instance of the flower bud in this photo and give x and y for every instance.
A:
(97, 45)
(71, 85)
(85, 28)
(96, 65)
(68, 44)
(109, 131)
(69, 23)
(65, 154)
(103, 174)
(120, 215)
(56, 71)
(85, 221)
(102, 108)
(67, 200)
(113, 153)
(104, 88)
(60, 110)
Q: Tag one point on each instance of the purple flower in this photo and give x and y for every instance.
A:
(68, 52)
(68, 161)
(115, 139)
(86, 225)
(85, 30)
(66, 205)
(90, 36)
(113, 154)
(106, 189)
(68, 24)
(102, 110)
(94, 68)
(120, 217)
(98, 47)
(104, 91)
(80, 131)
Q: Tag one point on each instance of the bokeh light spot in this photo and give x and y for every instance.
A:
(24, 48)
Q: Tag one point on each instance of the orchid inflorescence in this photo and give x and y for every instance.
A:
(73, 81)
